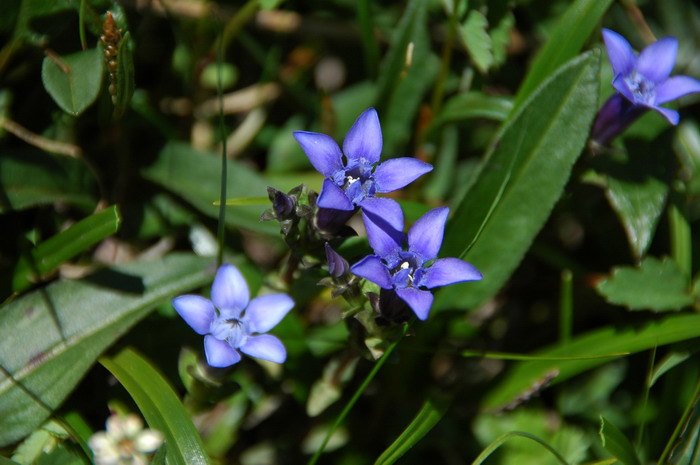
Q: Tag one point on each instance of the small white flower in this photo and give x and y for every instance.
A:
(125, 442)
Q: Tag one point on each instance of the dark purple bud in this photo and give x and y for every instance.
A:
(282, 204)
(337, 265)
(616, 114)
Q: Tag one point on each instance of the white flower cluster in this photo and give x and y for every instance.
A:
(125, 442)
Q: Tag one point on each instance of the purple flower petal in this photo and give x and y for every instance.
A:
(337, 265)
(333, 197)
(230, 292)
(399, 172)
(657, 60)
(323, 152)
(425, 236)
(446, 271)
(266, 347)
(621, 86)
(364, 139)
(676, 87)
(671, 115)
(383, 219)
(372, 269)
(197, 312)
(419, 301)
(264, 312)
(620, 53)
(219, 353)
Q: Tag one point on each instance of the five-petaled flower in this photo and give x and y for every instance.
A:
(351, 175)
(411, 272)
(231, 322)
(125, 442)
(644, 80)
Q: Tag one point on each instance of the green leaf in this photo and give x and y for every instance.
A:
(474, 105)
(477, 40)
(617, 444)
(571, 33)
(49, 338)
(654, 285)
(4, 461)
(196, 177)
(125, 74)
(413, 82)
(670, 361)
(63, 246)
(74, 80)
(159, 405)
(520, 181)
(526, 376)
(29, 178)
(428, 416)
(514, 434)
(637, 190)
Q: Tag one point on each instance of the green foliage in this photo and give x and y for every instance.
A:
(520, 181)
(49, 338)
(657, 285)
(31, 178)
(617, 444)
(425, 420)
(565, 42)
(74, 80)
(46, 256)
(159, 405)
(601, 345)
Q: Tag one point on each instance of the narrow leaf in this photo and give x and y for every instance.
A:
(63, 246)
(125, 74)
(429, 415)
(571, 33)
(520, 181)
(524, 376)
(617, 444)
(74, 80)
(49, 338)
(513, 434)
(159, 405)
(29, 178)
(194, 175)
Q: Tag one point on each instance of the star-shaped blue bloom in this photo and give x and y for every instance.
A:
(231, 322)
(410, 273)
(351, 175)
(644, 80)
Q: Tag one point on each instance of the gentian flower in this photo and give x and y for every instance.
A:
(410, 273)
(644, 83)
(125, 441)
(352, 176)
(231, 322)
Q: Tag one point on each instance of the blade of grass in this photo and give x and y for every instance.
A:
(159, 405)
(356, 396)
(503, 438)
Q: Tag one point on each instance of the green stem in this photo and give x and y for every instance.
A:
(681, 245)
(439, 90)
(368, 42)
(224, 159)
(680, 426)
(81, 25)
(357, 395)
(566, 307)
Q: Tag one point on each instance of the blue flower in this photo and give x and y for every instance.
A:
(410, 272)
(644, 80)
(351, 175)
(231, 322)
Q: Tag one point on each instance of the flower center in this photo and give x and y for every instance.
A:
(356, 180)
(642, 89)
(408, 271)
(232, 330)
